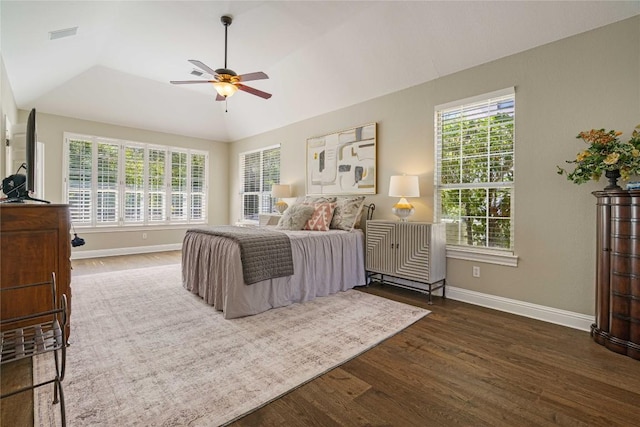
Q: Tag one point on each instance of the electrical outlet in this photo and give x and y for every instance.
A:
(476, 271)
(144, 237)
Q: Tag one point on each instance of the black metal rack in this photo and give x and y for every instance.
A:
(35, 334)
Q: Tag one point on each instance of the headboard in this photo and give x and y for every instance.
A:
(370, 209)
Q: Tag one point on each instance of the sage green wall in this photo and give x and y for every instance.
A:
(587, 81)
(51, 130)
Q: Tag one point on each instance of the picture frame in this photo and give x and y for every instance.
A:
(343, 162)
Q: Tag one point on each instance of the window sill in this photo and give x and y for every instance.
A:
(151, 227)
(488, 256)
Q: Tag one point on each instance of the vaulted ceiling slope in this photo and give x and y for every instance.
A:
(320, 56)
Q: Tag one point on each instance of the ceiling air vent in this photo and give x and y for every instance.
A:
(59, 34)
(198, 73)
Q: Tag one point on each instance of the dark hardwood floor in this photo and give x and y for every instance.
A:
(470, 366)
(462, 365)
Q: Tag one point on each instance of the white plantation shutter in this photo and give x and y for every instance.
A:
(134, 185)
(156, 184)
(79, 155)
(198, 180)
(179, 187)
(121, 183)
(107, 183)
(475, 170)
(259, 170)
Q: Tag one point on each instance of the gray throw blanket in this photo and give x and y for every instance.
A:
(265, 254)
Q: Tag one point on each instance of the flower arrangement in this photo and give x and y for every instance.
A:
(605, 152)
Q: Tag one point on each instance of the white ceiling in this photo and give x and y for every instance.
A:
(320, 56)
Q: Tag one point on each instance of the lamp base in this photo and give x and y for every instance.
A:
(403, 211)
(281, 207)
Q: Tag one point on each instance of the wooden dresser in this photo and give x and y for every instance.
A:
(34, 242)
(617, 324)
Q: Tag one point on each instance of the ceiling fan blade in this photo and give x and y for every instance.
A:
(203, 67)
(220, 97)
(253, 76)
(253, 91)
(188, 82)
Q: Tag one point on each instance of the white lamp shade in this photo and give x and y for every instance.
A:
(280, 191)
(225, 89)
(404, 186)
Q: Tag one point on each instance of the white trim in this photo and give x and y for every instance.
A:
(40, 156)
(566, 318)
(98, 253)
(508, 259)
(270, 147)
(87, 229)
(478, 98)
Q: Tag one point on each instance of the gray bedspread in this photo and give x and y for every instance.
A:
(265, 254)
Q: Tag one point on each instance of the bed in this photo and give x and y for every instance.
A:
(324, 263)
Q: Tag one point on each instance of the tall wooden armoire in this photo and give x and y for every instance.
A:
(617, 324)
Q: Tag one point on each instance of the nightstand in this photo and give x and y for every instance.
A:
(413, 251)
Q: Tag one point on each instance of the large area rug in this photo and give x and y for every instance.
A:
(146, 352)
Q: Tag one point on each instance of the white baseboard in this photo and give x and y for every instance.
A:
(540, 312)
(521, 308)
(99, 253)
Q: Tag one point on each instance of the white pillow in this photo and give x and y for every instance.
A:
(348, 212)
(295, 217)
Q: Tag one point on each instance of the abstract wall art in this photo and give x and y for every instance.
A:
(343, 162)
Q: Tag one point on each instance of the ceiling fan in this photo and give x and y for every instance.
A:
(227, 82)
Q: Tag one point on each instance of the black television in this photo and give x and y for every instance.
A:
(31, 147)
(18, 187)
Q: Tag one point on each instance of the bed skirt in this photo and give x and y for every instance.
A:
(324, 263)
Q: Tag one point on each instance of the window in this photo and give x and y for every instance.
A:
(134, 185)
(157, 185)
(179, 186)
(197, 206)
(259, 170)
(122, 183)
(474, 176)
(79, 179)
(107, 190)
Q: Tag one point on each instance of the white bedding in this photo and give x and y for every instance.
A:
(325, 262)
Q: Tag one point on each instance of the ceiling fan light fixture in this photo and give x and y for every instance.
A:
(224, 80)
(225, 89)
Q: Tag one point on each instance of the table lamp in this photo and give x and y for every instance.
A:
(280, 191)
(403, 186)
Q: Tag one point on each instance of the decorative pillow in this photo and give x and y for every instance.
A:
(295, 217)
(310, 200)
(348, 212)
(321, 218)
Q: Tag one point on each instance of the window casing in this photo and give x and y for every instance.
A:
(259, 170)
(474, 175)
(122, 183)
